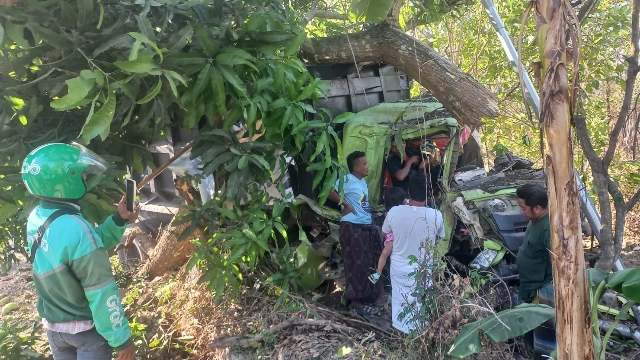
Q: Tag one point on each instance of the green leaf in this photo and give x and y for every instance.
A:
(226, 212)
(133, 53)
(144, 39)
(292, 48)
(219, 95)
(176, 76)
(85, 13)
(244, 160)
(626, 282)
(183, 59)
(15, 32)
(179, 40)
(50, 37)
(233, 79)
(143, 64)
(317, 178)
(145, 27)
(303, 126)
(319, 146)
(211, 167)
(274, 36)
(234, 56)
(595, 277)
(101, 120)
(233, 183)
(373, 11)
(250, 119)
(337, 141)
(202, 81)
(1, 34)
(69, 15)
(78, 89)
(500, 327)
(120, 41)
(203, 36)
(344, 351)
(101, 16)
(263, 163)
(172, 84)
(342, 118)
(152, 94)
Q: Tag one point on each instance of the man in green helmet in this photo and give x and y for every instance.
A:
(78, 298)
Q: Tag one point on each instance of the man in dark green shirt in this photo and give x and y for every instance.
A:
(534, 263)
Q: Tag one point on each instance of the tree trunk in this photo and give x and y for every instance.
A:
(171, 253)
(574, 339)
(461, 94)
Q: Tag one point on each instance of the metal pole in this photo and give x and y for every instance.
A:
(530, 92)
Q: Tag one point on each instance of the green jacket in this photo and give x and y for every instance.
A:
(72, 273)
(534, 263)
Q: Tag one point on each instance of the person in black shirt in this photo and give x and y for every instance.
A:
(428, 164)
(400, 170)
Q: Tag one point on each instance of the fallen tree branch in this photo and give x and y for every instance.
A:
(292, 321)
(462, 95)
(347, 317)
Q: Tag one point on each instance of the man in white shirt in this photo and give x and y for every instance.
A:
(415, 229)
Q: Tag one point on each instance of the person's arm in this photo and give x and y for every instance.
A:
(402, 173)
(441, 232)
(346, 207)
(546, 235)
(385, 255)
(112, 229)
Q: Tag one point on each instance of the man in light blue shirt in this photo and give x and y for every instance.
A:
(360, 241)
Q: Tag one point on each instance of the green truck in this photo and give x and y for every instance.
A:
(484, 227)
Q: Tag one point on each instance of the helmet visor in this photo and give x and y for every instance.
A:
(95, 164)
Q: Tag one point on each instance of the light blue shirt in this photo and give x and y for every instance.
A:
(356, 193)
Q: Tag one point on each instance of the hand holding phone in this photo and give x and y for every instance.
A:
(131, 194)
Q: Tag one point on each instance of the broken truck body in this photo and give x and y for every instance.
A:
(476, 206)
(480, 209)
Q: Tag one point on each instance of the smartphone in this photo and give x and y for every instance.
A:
(131, 194)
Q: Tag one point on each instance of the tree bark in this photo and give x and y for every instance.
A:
(458, 92)
(171, 253)
(573, 329)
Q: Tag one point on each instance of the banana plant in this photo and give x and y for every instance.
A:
(625, 282)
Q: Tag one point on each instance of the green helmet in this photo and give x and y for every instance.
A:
(57, 171)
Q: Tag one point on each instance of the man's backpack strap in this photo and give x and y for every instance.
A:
(37, 239)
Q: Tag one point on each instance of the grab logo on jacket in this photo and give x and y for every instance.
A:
(113, 303)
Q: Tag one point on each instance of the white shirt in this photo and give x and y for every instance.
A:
(414, 228)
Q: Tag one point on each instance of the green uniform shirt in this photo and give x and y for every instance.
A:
(72, 273)
(534, 264)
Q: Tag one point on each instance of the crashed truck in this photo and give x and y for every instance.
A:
(483, 224)
(484, 227)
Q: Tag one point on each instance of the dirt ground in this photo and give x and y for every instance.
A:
(180, 318)
(17, 285)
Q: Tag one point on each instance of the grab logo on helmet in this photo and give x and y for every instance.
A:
(33, 168)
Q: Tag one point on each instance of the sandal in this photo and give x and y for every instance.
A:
(366, 310)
